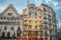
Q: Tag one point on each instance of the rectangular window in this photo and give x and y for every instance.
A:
(36, 33)
(5, 28)
(25, 33)
(30, 33)
(30, 27)
(29, 13)
(9, 14)
(1, 17)
(40, 26)
(36, 27)
(41, 33)
(25, 27)
(12, 28)
(35, 14)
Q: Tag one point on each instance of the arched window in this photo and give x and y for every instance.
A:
(3, 34)
(9, 14)
(36, 33)
(14, 35)
(18, 28)
(30, 13)
(8, 34)
(1, 18)
(5, 28)
(18, 31)
(12, 28)
(35, 14)
(4, 17)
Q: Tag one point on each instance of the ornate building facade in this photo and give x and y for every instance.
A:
(10, 22)
(36, 23)
(39, 23)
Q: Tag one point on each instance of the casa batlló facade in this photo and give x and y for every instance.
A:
(35, 23)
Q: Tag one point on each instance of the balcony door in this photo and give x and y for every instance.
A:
(18, 32)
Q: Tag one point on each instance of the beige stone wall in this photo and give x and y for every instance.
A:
(10, 10)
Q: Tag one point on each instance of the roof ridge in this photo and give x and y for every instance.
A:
(10, 6)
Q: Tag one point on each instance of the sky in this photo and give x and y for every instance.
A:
(21, 4)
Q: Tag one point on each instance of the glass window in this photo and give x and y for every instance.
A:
(25, 26)
(48, 10)
(1, 17)
(3, 34)
(29, 33)
(18, 32)
(44, 10)
(41, 33)
(36, 27)
(45, 17)
(12, 28)
(36, 33)
(25, 39)
(4, 17)
(5, 28)
(35, 14)
(25, 33)
(18, 28)
(30, 26)
(40, 26)
(49, 16)
(8, 34)
(9, 14)
(36, 21)
(29, 13)
(45, 21)
(30, 21)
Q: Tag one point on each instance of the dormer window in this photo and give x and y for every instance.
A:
(9, 14)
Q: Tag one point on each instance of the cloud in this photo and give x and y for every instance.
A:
(57, 8)
(37, 0)
(55, 3)
(48, 1)
(59, 25)
(2, 8)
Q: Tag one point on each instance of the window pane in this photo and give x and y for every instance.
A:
(9, 14)
(36, 33)
(35, 14)
(12, 28)
(5, 28)
(30, 13)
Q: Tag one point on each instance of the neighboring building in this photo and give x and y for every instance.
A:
(39, 23)
(10, 22)
(59, 33)
(36, 23)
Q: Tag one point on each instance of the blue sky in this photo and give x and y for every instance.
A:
(21, 4)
